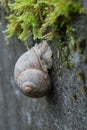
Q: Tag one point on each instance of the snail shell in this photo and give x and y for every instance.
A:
(31, 71)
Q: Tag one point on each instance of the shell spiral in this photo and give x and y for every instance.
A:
(31, 71)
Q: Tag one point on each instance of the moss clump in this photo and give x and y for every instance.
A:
(68, 64)
(75, 96)
(85, 60)
(81, 76)
(81, 45)
(84, 90)
(42, 18)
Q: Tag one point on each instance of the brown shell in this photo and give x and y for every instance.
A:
(31, 73)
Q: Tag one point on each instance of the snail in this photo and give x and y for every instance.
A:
(31, 70)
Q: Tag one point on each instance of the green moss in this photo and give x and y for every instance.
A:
(81, 45)
(71, 34)
(41, 18)
(84, 90)
(81, 76)
(68, 64)
(74, 96)
(85, 60)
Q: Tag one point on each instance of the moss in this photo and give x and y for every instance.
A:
(81, 45)
(4, 4)
(65, 57)
(81, 76)
(84, 90)
(85, 60)
(41, 18)
(68, 64)
(71, 32)
(74, 96)
(71, 65)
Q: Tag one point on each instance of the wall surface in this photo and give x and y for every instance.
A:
(65, 108)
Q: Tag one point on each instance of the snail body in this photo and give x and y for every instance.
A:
(31, 71)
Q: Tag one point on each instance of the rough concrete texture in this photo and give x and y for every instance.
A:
(65, 108)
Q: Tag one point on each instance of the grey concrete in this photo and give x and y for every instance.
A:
(65, 108)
